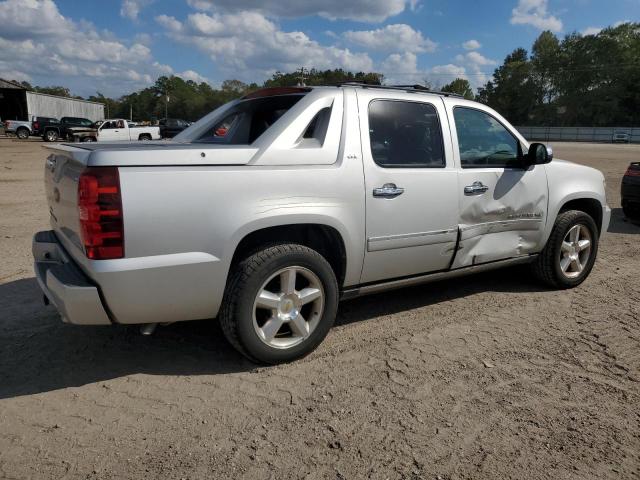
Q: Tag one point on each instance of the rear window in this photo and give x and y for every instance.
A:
(243, 123)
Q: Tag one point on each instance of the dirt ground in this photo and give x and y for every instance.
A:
(491, 376)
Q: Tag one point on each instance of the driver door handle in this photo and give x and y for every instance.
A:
(388, 190)
(476, 188)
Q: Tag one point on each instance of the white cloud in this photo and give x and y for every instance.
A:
(131, 8)
(194, 76)
(591, 31)
(401, 69)
(475, 58)
(392, 38)
(246, 45)
(471, 45)
(41, 45)
(359, 10)
(534, 12)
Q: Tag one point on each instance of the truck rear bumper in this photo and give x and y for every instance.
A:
(63, 283)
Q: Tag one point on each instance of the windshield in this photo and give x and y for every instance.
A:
(240, 122)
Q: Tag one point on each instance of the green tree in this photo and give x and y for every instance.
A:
(460, 86)
(512, 91)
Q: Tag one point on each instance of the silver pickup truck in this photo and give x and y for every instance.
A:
(269, 210)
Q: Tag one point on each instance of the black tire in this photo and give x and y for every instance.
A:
(88, 139)
(50, 136)
(237, 313)
(145, 137)
(22, 133)
(631, 211)
(547, 266)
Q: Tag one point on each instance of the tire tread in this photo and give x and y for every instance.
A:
(544, 266)
(247, 268)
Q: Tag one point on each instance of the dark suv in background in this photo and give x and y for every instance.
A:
(39, 125)
(170, 127)
(52, 132)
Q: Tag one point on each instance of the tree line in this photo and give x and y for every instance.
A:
(579, 80)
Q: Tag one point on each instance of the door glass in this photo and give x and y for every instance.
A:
(405, 134)
(483, 141)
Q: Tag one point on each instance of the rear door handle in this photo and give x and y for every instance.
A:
(388, 190)
(476, 188)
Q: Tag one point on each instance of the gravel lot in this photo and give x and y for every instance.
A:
(491, 376)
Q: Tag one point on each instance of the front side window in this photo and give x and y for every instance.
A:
(405, 134)
(483, 141)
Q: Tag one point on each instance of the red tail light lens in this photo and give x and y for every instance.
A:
(632, 172)
(100, 211)
(36, 126)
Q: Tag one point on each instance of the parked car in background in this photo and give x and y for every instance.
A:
(170, 127)
(630, 192)
(621, 137)
(274, 206)
(113, 130)
(53, 133)
(20, 128)
(40, 124)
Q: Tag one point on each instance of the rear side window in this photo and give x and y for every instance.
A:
(405, 134)
(248, 119)
(483, 141)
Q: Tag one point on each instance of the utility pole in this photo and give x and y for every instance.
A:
(302, 77)
(131, 112)
(166, 107)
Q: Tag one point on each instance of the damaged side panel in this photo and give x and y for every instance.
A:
(507, 220)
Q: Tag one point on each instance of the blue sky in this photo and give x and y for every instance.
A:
(117, 46)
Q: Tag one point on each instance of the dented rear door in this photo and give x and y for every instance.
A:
(503, 207)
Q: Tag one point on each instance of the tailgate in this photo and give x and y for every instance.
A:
(62, 171)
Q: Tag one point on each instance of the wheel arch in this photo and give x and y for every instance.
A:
(321, 237)
(589, 205)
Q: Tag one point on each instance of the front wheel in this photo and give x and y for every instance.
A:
(570, 252)
(279, 303)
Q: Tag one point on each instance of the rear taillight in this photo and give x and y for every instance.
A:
(36, 126)
(100, 209)
(633, 171)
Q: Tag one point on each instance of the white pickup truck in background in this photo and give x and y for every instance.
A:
(114, 130)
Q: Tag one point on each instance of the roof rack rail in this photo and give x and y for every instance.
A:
(406, 88)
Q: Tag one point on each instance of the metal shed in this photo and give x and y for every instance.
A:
(16, 103)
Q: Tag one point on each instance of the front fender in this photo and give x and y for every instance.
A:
(569, 182)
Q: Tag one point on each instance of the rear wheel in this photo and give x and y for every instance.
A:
(145, 137)
(22, 133)
(88, 139)
(50, 136)
(280, 303)
(571, 251)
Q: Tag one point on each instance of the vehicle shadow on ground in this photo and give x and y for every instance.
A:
(38, 353)
(620, 224)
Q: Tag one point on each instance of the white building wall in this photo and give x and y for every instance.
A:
(42, 105)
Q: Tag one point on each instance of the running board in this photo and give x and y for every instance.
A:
(353, 292)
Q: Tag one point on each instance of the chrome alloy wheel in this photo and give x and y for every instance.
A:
(575, 251)
(288, 307)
